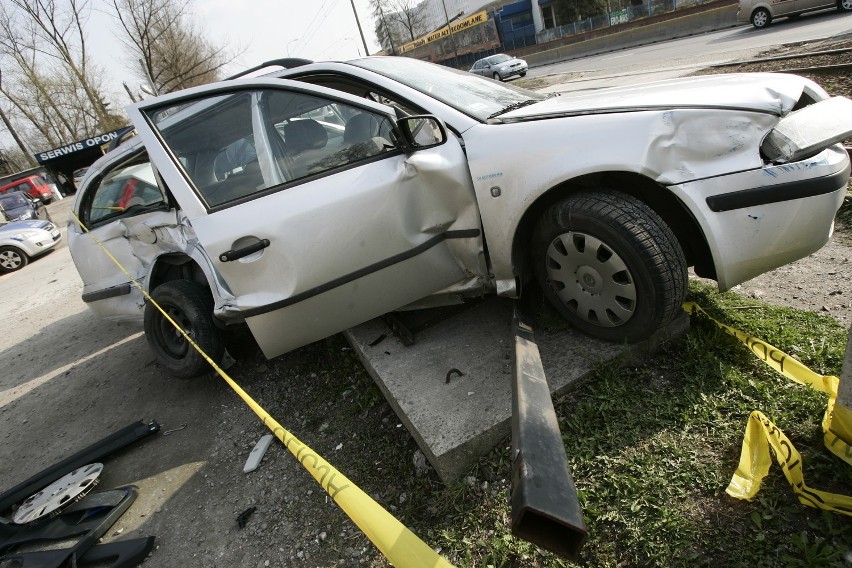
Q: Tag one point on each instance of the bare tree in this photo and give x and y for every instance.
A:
(398, 21)
(50, 85)
(56, 29)
(410, 15)
(170, 52)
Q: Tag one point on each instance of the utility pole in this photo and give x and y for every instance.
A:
(14, 132)
(360, 31)
(450, 30)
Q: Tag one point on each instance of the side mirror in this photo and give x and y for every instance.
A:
(420, 132)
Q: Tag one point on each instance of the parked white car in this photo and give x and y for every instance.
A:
(500, 67)
(22, 240)
(235, 203)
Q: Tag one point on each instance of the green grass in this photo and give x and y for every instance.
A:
(653, 447)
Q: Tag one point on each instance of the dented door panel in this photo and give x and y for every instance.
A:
(348, 247)
(318, 254)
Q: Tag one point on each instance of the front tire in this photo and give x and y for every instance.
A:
(12, 259)
(496, 77)
(609, 265)
(190, 306)
(761, 18)
(844, 5)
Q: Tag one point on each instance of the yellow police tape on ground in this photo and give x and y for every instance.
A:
(393, 539)
(761, 433)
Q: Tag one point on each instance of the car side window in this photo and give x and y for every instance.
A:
(125, 190)
(239, 145)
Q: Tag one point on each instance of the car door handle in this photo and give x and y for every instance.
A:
(234, 254)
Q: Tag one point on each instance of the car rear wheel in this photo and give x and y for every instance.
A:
(761, 18)
(609, 265)
(191, 307)
(12, 259)
(844, 5)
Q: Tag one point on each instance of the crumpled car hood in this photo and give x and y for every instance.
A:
(761, 92)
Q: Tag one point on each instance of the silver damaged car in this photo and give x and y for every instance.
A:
(312, 199)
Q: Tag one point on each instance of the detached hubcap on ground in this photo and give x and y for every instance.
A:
(591, 279)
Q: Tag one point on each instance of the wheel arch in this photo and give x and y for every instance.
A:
(676, 215)
(176, 266)
(182, 266)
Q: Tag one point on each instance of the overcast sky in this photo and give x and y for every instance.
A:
(265, 29)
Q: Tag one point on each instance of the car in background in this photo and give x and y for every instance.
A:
(500, 67)
(33, 185)
(21, 241)
(19, 206)
(78, 176)
(761, 12)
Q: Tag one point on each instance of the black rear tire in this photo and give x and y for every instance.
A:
(190, 305)
(609, 265)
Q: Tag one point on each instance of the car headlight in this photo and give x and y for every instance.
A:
(24, 235)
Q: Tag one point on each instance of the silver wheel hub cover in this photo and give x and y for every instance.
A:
(590, 279)
(9, 259)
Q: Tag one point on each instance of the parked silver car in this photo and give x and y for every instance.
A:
(22, 240)
(761, 12)
(500, 67)
(234, 204)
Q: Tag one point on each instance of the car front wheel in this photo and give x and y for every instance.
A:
(496, 77)
(191, 307)
(12, 259)
(610, 265)
(761, 18)
(844, 5)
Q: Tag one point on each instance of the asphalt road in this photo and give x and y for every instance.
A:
(680, 57)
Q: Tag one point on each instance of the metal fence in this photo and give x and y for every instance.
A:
(622, 16)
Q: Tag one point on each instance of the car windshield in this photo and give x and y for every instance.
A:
(13, 201)
(473, 95)
(498, 59)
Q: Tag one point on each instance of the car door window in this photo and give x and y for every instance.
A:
(240, 145)
(125, 190)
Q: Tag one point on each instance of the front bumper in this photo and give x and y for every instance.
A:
(512, 71)
(758, 220)
(35, 246)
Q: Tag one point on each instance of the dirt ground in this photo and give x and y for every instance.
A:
(69, 379)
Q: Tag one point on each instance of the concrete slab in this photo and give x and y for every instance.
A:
(458, 420)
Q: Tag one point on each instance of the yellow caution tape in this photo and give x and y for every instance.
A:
(393, 539)
(761, 433)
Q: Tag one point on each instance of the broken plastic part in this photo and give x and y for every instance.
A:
(81, 520)
(242, 520)
(94, 453)
(257, 453)
(806, 132)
